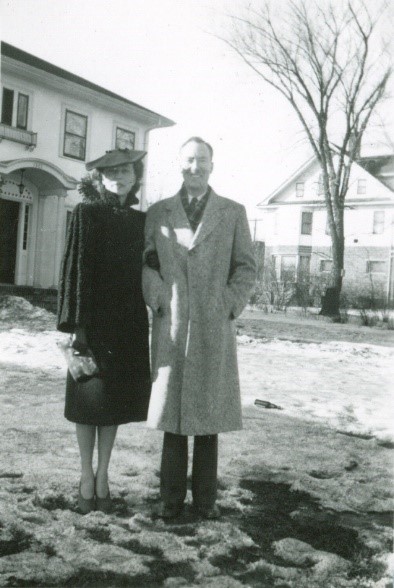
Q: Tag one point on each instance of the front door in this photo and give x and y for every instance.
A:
(9, 218)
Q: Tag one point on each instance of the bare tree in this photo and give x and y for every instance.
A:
(329, 61)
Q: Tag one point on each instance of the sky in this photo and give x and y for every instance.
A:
(166, 56)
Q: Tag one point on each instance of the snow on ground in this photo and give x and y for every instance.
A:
(344, 385)
(306, 491)
(347, 386)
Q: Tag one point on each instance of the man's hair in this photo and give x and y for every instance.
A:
(201, 142)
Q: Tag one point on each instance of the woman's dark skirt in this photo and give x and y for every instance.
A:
(120, 395)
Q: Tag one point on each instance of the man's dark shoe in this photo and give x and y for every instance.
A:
(208, 512)
(170, 511)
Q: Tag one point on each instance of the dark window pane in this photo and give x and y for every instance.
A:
(288, 268)
(306, 223)
(75, 135)
(304, 267)
(326, 265)
(8, 103)
(74, 146)
(76, 123)
(124, 139)
(21, 117)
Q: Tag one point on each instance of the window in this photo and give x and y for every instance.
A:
(124, 139)
(320, 186)
(75, 131)
(15, 109)
(325, 265)
(361, 186)
(306, 223)
(300, 187)
(378, 222)
(22, 110)
(288, 268)
(304, 267)
(7, 106)
(376, 267)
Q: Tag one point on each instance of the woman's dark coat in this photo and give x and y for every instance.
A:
(100, 290)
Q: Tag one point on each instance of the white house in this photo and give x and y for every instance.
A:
(52, 122)
(296, 233)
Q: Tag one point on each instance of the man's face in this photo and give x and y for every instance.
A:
(119, 179)
(196, 166)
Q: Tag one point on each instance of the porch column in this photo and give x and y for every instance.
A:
(49, 247)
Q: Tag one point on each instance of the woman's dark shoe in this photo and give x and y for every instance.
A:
(103, 504)
(85, 505)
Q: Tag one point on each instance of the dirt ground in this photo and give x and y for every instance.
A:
(305, 489)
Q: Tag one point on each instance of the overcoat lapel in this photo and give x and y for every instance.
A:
(213, 214)
(178, 220)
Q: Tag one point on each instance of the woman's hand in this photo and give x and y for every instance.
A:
(80, 342)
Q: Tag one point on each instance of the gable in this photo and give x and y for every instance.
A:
(305, 187)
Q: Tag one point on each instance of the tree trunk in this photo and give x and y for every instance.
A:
(331, 299)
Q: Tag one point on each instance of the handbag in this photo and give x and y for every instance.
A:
(80, 360)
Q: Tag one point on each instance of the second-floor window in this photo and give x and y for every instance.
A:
(320, 186)
(378, 222)
(300, 188)
(75, 133)
(7, 106)
(124, 139)
(362, 186)
(15, 108)
(306, 223)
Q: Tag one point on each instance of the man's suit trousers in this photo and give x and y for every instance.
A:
(173, 476)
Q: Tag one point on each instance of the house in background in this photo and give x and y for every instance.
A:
(52, 122)
(297, 238)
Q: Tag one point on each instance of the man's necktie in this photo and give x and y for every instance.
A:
(192, 207)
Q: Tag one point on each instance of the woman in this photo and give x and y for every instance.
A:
(100, 303)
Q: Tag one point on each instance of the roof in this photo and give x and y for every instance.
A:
(312, 160)
(380, 165)
(29, 59)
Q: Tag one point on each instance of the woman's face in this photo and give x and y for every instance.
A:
(119, 179)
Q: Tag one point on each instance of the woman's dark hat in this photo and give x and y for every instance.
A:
(115, 157)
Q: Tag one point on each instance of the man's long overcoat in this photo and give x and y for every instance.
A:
(204, 283)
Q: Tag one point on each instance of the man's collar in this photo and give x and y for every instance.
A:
(185, 194)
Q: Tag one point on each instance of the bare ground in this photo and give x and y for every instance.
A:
(305, 490)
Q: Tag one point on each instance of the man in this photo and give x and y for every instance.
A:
(198, 274)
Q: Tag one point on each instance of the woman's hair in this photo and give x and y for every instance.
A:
(138, 167)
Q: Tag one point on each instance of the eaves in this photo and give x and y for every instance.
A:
(103, 99)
